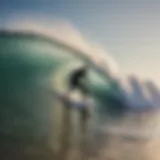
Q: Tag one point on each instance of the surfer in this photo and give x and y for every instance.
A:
(78, 80)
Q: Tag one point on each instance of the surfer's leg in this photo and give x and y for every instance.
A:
(85, 111)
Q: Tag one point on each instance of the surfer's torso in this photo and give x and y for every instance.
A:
(76, 77)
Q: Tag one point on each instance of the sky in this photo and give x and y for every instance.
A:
(129, 29)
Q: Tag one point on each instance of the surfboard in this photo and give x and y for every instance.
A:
(79, 104)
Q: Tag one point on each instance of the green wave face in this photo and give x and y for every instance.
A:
(31, 67)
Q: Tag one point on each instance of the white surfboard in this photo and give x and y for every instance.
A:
(79, 104)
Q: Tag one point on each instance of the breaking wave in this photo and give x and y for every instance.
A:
(36, 61)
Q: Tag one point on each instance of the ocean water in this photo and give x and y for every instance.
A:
(35, 124)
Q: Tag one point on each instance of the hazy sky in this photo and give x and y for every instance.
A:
(129, 29)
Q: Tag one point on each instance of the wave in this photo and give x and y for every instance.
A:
(105, 71)
(34, 63)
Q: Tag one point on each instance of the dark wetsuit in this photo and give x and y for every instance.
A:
(76, 78)
(76, 82)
